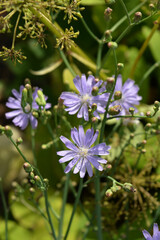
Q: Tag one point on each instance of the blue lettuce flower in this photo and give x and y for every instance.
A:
(130, 96)
(156, 233)
(83, 101)
(21, 118)
(81, 155)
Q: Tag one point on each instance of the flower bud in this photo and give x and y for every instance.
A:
(37, 179)
(110, 82)
(148, 126)
(144, 142)
(108, 166)
(129, 186)
(24, 98)
(156, 104)
(132, 135)
(143, 150)
(32, 190)
(35, 114)
(19, 141)
(94, 106)
(131, 110)
(148, 114)
(120, 66)
(108, 36)
(112, 45)
(117, 95)
(27, 167)
(109, 193)
(137, 17)
(107, 14)
(27, 81)
(41, 99)
(152, 6)
(94, 120)
(31, 174)
(115, 110)
(8, 131)
(95, 91)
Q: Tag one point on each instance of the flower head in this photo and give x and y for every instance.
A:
(22, 116)
(128, 93)
(81, 155)
(156, 233)
(84, 100)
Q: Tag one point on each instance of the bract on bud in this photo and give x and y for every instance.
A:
(19, 140)
(117, 95)
(137, 17)
(131, 110)
(24, 97)
(114, 110)
(41, 99)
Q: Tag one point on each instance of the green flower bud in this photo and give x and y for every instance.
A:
(112, 45)
(120, 66)
(110, 1)
(8, 131)
(95, 91)
(148, 114)
(27, 167)
(41, 99)
(114, 110)
(131, 110)
(24, 98)
(32, 190)
(31, 174)
(143, 150)
(109, 193)
(152, 6)
(107, 14)
(137, 17)
(2, 129)
(35, 114)
(117, 95)
(148, 126)
(129, 186)
(19, 141)
(94, 106)
(108, 36)
(94, 120)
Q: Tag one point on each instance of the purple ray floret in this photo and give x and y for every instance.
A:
(81, 156)
(83, 101)
(130, 96)
(21, 118)
(156, 233)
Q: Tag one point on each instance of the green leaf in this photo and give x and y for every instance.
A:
(15, 231)
(92, 2)
(48, 69)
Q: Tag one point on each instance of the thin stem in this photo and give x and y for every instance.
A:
(75, 206)
(44, 191)
(53, 212)
(98, 205)
(65, 193)
(67, 62)
(99, 56)
(15, 30)
(33, 146)
(150, 70)
(8, 16)
(126, 11)
(5, 209)
(89, 31)
(48, 214)
(138, 159)
(109, 100)
(125, 17)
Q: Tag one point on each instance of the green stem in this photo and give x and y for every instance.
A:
(33, 146)
(44, 191)
(98, 206)
(48, 214)
(89, 31)
(5, 209)
(126, 11)
(15, 30)
(67, 62)
(138, 159)
(75, 206)
(65, 193)
(109, 100)
(99, 56)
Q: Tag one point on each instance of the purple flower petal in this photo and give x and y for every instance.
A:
(95, 163)
(71, 165)
(68, 143)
